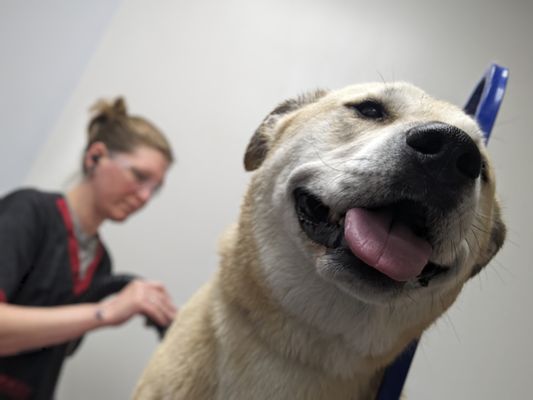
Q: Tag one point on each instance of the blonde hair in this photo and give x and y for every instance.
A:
(120, 132)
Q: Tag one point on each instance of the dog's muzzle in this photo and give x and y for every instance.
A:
(393, 241)
(319, 224)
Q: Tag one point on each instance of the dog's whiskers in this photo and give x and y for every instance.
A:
(392, 308)
(504, 267)
(482, 216)
(479, 229)
(381, 77)
(450, 322)
(471, 249)
(408, 295)
(498, 274)
(455, 251)
(328, 165)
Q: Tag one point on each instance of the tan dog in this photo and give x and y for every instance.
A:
(370, 208)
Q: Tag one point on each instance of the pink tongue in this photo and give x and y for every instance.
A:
(393, 250)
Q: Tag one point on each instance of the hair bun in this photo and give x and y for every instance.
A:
(105, 112)
(111, 124)
(119, 106)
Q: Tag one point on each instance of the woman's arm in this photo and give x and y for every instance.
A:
(27, 328)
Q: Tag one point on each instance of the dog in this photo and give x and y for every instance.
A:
(369, 209)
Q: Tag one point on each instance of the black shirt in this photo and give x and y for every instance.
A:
(39, 266)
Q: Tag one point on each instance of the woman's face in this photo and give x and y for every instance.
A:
(124, 182)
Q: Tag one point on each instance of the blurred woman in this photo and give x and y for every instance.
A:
(51, 253)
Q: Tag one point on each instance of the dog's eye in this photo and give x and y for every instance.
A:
(369, 109)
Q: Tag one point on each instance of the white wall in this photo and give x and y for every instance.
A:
(208, 71)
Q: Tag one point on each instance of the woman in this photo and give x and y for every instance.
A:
(51, 254)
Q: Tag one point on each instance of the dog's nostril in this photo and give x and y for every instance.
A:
(425, 142)
(469, 164)
(445, 149)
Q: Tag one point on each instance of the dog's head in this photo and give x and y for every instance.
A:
(379, 189)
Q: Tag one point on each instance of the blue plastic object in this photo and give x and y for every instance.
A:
(487, 97)
(483, 105)
(396, 374)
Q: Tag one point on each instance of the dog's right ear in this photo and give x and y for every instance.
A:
(259, 145)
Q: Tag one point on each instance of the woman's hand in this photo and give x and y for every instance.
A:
(139, 297)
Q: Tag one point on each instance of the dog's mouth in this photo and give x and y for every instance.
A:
(392, 240)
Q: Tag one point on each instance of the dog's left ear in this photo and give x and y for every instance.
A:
(497, 238)
(260, 143)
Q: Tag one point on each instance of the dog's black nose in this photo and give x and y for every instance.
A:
(448, 153)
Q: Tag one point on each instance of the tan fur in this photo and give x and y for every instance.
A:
(238, 338)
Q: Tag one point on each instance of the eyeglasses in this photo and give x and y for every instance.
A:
(142, 180)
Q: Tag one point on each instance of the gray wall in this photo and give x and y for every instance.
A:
(208, 71)
(44, 47)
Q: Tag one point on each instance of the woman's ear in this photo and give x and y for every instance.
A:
(94, 153)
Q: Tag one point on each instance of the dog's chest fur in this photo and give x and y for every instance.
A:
(267, 353)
